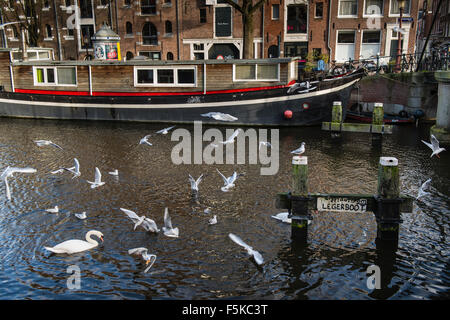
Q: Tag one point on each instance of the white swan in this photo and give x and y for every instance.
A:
(74, 246)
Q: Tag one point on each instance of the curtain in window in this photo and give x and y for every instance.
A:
(244, 72)
(66, 75)
(269, 71)
(396, 10)
(348, 7)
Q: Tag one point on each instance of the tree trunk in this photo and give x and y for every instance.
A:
(247, 21)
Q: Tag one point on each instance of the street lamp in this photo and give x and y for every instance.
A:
(401, 6)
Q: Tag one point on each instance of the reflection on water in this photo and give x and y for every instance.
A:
(203, 263)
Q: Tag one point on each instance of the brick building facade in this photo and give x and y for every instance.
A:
(210, 29)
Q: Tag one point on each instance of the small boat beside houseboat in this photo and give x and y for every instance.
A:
(256, 92)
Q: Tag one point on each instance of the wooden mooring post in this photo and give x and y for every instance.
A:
(377, 128)
(386, 204)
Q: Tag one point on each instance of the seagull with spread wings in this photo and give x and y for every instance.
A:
(147, 223)
(98, 179)
(149, 258)
(41, 143)
(434, 145)
(256, 255)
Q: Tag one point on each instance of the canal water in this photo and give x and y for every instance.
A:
(203, 263)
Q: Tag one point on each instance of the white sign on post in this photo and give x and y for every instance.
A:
(341, 204)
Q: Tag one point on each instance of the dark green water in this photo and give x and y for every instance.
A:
(203, 263)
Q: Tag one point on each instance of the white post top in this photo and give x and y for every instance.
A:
(300, 160)
(388, 161)
(378, 104)
(337, 103)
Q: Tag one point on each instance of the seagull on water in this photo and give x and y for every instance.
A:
(213, 220)
(195, 183)
(53, 210)
(166, 130)
(149, 258)
(228, 182)
(434, 145)
(168, 229)
(144, 140)
(41, 143)
(8, 172)
(232, 137)
(81, 216)
(300, 150)
(256, 255)
(147, 223)
(422, 189)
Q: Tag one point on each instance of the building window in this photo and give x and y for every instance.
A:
(394, 9)
(256, 72)
(348, 8)
(54, 76)
(275, 12)
(103, 3)
(182, 76)
(169, 56)
(371, 43)
(46, 4)
(319, 10)
(297, 18)
(68, 4)
(48, 30)
(129, 55)
(87, 31)
(199, 51)
(373, 7)
(202, 15)
(168, 27)
(223, 21)
(129, 28)
(153, 55)
(345, 48)
(127, 3)
(148, 6)
(149, 34)
(296, 49)
(86, 9)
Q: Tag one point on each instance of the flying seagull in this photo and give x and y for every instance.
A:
(114, 173)
(232, 137)
(98, 179)
(147, 223)
(166, 130)
(283, 217)
(168, 229)
(264, 143)
(195, 183)
(300, 150)
(8, 172)
(219, 116)
(144, 140)
(41, 143)
(228, 182)
(75, 169)
(256, 255)
(149, 258)
(434, 145)
(422, 189)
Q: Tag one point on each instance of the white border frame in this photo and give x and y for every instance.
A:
(56, 83)
(175, 77)
(361, 40)
(256, 73)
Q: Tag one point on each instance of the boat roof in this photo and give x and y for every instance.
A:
(149, 62)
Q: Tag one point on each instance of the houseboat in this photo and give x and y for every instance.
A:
(253, 92)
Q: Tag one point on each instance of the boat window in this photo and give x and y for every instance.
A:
(145, 76)
(164, 76)
(186, 76)
(51, 76)
(256, 72)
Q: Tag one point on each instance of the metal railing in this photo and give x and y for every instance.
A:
(433, 61)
